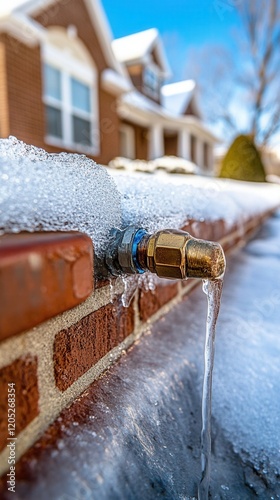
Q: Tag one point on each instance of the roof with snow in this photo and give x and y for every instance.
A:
(6, 7)
(15, 16)
(138, 47)
(177, 96)
(138, 104)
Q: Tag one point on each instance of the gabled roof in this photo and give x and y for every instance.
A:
(176, 97)
(7, 7)
(15, 12)
(138, 48)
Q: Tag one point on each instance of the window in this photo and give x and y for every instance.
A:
(70, 93)
(53, 82)
(68, 108)
(151, 81)
(54, 122)
(81, 118)
(52, 79)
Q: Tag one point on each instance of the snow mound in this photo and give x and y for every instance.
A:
(55, 192)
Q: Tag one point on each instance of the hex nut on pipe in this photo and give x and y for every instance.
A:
(166, 254)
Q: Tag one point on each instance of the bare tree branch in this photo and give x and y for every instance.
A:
(253, 79)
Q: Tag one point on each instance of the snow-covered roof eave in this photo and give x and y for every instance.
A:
(102, 27)
(177, 97)
(142, 104)
(24, 29)
(148, 110)
(158, 46)
(137, 47)
(197, 124)
(7, 7)
(115, 83)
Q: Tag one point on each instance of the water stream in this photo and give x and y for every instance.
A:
(213, 290)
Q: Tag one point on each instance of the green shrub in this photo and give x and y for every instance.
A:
(243, 161)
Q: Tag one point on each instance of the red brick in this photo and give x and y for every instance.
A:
(219, 229)
(150, 302)
(23, 71)
(23, 373)
(41, 275)
(78, 348)
(206, 230)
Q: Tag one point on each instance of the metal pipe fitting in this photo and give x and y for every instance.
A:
(168, 253)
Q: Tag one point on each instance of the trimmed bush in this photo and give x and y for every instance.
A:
(243, 162)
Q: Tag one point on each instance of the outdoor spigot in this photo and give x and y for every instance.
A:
(168, 253)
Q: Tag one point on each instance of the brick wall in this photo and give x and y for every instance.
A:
(24, 91)
(109, 128)
(4, 114)
(75, 332)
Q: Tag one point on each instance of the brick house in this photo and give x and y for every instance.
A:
(64, 85)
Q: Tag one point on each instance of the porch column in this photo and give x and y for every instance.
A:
(156, 144)
(210, 159)
(184, 144)
(199, 152)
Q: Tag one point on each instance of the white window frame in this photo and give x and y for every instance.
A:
(72, 68)
(129, 135)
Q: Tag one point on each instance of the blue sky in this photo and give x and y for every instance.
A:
(184, 25)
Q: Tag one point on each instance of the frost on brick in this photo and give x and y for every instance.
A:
(55, 192)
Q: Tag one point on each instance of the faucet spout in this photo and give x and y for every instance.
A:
(168, 253)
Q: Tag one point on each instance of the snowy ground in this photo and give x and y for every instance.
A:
(247, 373)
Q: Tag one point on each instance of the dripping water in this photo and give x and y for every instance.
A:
(213, 290)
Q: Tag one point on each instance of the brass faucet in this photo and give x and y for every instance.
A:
(168, 253)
